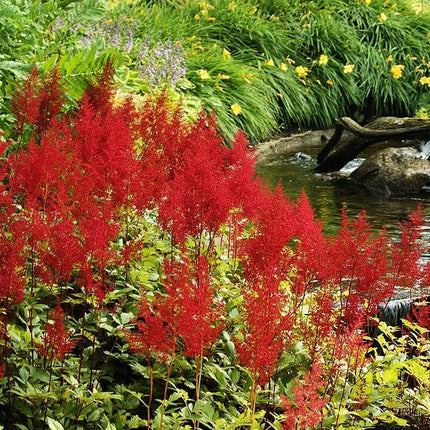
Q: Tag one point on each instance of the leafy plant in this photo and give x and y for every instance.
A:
(149, 279)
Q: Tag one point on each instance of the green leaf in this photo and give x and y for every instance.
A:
(390, 375)
(204, 409)
(53, 424)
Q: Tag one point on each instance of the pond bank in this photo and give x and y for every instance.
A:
(292, 160)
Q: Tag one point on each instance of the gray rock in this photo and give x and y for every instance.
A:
(394, 171)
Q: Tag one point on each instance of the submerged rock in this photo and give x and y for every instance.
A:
(394, 171)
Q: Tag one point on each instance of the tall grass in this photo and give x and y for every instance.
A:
(266, 41)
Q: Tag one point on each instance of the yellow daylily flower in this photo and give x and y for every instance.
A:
(236, 109)
(396, 70)
(425, 80)
(204, 74)
(196, 16)
(301, 71)
(389, 58)
(270, 62)
(329, 82)
(219, 88)
(323, 60)
(232, 5)
(382, 17)
(283, 66)
(226, 55)
(204, 5)
(222, 76)
(367, 2)
(348, 68)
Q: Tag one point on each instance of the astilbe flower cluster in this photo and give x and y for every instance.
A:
(305, 410)
(12, 244)
(197, 180)
(187, 317)
(75, 176)
(406, 269)
(420, 312)
(152, 336)
(358, 266)
(56, 340)
(37, 101)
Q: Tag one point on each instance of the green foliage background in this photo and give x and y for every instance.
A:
(265, 42)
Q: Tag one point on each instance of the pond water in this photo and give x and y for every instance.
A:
(295, 171)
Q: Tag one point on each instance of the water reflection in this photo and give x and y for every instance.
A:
(328, 196)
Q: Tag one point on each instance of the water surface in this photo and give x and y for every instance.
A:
(295, 171)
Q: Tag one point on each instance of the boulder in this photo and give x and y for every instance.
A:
(393, 171)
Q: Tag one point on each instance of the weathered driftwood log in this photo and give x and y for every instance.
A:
(331, 159)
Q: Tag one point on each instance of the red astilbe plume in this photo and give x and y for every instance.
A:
(161, 135)
(420, 312)
(78, 175)
(265, 323)
(359, 265)
(197, 312)
(407, 271)
(202, 187)
(152, 335)
(305, 410)
(188, 310)
(12, 263)
(12, 252)
(198, 178)
(273, 224)
(307, 265)
(38, 101)
(265, 255)
(56, 341)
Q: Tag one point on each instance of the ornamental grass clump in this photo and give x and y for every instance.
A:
(258, 67)
(150, 279)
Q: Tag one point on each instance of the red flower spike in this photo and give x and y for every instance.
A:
(38, 101)
(305, 411)
(152, 335)
(56, 341)
(197, 315)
